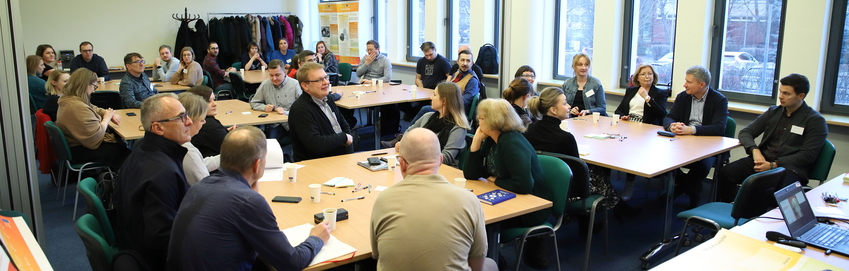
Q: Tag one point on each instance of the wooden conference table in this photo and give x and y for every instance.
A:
(114, 85)
(255, 76)
(642, 152)
(355, 230)
(375, 96)
(230, 112)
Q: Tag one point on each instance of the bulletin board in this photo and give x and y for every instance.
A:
(339, 24)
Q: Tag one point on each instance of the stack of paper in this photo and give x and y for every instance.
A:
(340, 182)
(274, 163)
(331, 250)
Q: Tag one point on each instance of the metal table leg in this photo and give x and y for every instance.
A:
(493, 236)
(376, 117)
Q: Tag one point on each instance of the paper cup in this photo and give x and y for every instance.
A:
(101, 80)
(263, 69)
(391, 163)
(315, 192)
(380, 83)
(292, 173)
(330, 217)
(461, 182)
(596, 115)
(563, 126)
(615, 119)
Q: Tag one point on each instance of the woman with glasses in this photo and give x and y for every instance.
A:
(195, 165)
(86, 126)
(584, 92)
(529, 74)
(642, 103)
(518, 93)
(190, 72)
(208, 140)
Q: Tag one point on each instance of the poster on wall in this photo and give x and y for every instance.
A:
(339, 29)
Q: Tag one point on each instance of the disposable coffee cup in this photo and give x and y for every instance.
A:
(330, 217)
(461, 182)
(242, 71)
(596, 115)
(615, 119)
(263, 69)
(380, 83)
(374, 81)
(315, 192)
(101, 80)
(391, 162)
(292, 173)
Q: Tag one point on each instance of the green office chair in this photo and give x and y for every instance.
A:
(239, 89)
(208, 80)
(754, 198)
(345, 70)
(558, 176)
(99, 253)
(95, 207)
(13, 213)
(819, 171)
(237, 65)
(473, 108)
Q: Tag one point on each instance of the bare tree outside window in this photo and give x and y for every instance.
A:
(417, 27)
(841, 95)
(460, 26)
(575, 20)
(653, 36)
(750, 46)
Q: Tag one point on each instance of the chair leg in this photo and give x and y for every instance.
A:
(589, 241)
(65, 193)
(519, 255)
(556, 251)
(59, 176)
(77, 197)
(606, 231)
(682, 237)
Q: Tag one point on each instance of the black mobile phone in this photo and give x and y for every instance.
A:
(131, 114)
(286, 199)
(341, 214)
(373, 161)
(263, 115)
(665, 133)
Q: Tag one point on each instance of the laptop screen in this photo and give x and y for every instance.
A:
(796, 209)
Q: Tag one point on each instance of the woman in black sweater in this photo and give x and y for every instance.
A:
(208, 140)
(518, 93)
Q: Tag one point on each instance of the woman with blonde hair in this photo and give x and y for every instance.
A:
(190, 73)
(195, 165)
(86, 126)
(584, 92)
(518, 93)
(449, 123)
(54, 85)
(37, 93)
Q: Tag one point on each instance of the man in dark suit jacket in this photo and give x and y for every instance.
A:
(702, 111)
(316, 126)
(793, 135)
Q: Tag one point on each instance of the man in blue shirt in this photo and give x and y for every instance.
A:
(89, 60)
(223, 223)
(135, 86)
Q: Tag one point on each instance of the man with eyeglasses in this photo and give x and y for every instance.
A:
(210, 64)
(151, 184)
(135, 86)
(466, 78)
(276, 94)
(89, 60)
(317, 128)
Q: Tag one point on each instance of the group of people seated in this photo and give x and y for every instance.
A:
(186, 194)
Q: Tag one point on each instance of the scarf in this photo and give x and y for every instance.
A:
(441, 127)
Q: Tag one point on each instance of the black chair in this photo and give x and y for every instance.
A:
(107, 99)
(129, 260)
(754, 198)
(239, 89)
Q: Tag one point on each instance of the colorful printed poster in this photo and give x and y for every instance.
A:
(339, 24)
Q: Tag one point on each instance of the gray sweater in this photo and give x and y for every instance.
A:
(380, 69)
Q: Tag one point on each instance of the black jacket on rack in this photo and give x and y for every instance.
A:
(297, 30)
(184, 37)
(200, 42)
(275, 31)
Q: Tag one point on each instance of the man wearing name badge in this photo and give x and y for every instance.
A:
(276, 94)
(699, 110)
(166, 65)
(151, 184)
(224, 223)
(403, 232)
(210, 64)
(793, 136)
(89, 60)
(317, 128)
(135, 86)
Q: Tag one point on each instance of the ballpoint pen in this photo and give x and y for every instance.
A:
(228, 112)
(328, 193)
(357, 198)
(357, 188)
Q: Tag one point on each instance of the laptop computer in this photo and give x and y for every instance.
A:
(803, 224)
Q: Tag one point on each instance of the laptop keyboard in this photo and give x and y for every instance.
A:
(828, 236)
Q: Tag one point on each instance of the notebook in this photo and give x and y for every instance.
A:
(803, 224)
(495, 196)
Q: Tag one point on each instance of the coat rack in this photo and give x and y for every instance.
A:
(186, 17)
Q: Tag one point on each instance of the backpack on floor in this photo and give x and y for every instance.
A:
(488, 59)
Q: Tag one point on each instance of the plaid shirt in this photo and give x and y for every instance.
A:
(210, 64)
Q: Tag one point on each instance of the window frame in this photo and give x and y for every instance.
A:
(717, 52)
(409, 56)
(832, 62)
(557, 20)
(628, 50)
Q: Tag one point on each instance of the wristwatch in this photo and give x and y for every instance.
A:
(159, 67)
(771, 165)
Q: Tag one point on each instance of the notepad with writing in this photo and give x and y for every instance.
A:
(495, 196)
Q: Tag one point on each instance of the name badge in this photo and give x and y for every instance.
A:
(185, 71)
(589, 92)
(797, 130)
(289, 60)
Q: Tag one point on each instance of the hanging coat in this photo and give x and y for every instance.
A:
(269, 39)
(297, 30)
(287, 32)
(246, 33)
(275, 32)
(255, 35)
(200, 42)
(184, 36)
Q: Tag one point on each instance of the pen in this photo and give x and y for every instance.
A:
(357, 188)
(228, 112)
(357, 198)
(361, 188)
(470, 190)
(673, 139)
(378, 154)
(328, 193)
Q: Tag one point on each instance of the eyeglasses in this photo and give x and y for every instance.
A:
(647, 74)
(529, 76)
(140, 61)
(95, 85)
(325, 78)
(182, 117)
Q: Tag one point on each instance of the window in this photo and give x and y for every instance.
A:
(458, 30)
(649, 38)
(379, 21)
(574, 34)
(836, 83)
(415, 31)
(744, 55)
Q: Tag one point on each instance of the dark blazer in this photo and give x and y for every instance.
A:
(653, 112)
(209, 138)
(713, 119)
(796, 152)
(546, 135)
(311, 131)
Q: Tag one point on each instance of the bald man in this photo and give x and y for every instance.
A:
(402, 232)
(475, 67)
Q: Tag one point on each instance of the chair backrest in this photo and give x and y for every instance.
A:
(730, 127)
(473, 107)
(461, 158)
(129, 260)
(99, 253)
(208, 80)
(482, 88)
(819, 171)
(57, 139)
(95, 207)
(580, 186)
(755, 196)
(205, 80)
(345, 72)
(558, 176)
(238, 85)
(107, 99)
(237, 65)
